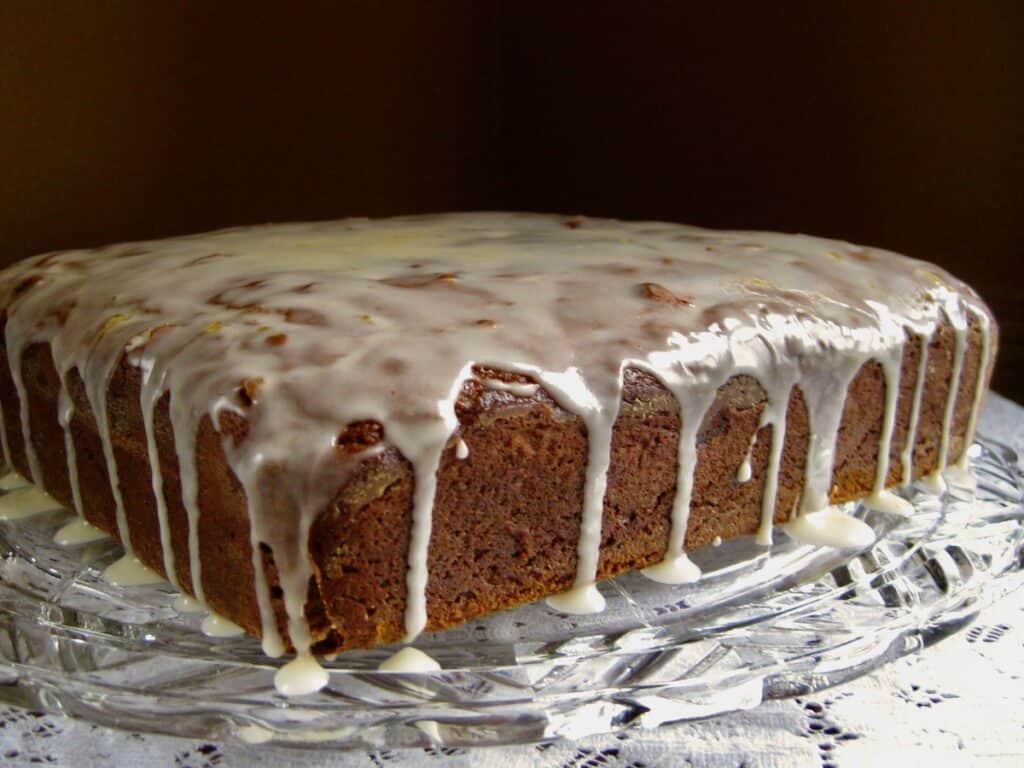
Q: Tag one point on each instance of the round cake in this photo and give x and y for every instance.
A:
(340, 434)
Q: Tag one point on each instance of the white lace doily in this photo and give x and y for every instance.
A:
(959, 703)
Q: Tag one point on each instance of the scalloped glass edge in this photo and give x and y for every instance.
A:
(760, 625)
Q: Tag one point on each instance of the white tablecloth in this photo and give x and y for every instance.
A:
(960, 703)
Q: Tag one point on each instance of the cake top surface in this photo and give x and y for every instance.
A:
(402, 305)
(306, 328)
(391, 312)
(539, 290)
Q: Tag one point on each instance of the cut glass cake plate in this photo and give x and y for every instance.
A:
(762, 623)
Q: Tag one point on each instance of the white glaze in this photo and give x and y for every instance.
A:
(16, 339)
(933, 483)
(958, 476)
(880, 498)
(907, 458)
(186, 604)
(409, 660)
(215, 625)
(128, 571)
(571, 392)
(78, 531)
(65, 410)
(461, 450)
(12, 481)
(422, 443)
(824, 411)
(567, 302)
(774, 414)
(695, 396)
(97, 371)
(519, 389)
(831, 527)
(581, 599)
(744, 471)
(679, 570)
(150, 391)
(958, 320)
(300, 676)
(25, 503)
(889, 502)
(979, 384)
(185, 432)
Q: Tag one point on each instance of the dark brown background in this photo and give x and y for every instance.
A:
(893, 124)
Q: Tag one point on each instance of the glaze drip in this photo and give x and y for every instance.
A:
(409, 660)
(571, 392)
(14, 348)
(907, 458)
(880, 498)
(186, 604)
(215, 625)
(129, 571)
(830, 527)
(13, 481)
(774, 416)
(25, 502)
(695, 396)
(151, 390)
(77, 532)
(267, 325)
(65, 410)
(959, 322)
(979, 384)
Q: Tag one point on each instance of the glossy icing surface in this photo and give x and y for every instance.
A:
(215, 625)
(129, 571)
(25, 502)
(271, 323)
(78, 531)
(409, 659)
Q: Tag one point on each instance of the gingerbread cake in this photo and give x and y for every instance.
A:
(341, 434)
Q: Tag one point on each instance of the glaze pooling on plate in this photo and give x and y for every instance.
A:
(25, 502)
(76, 532)
(409, 660)
(270, 323)
(129, 571)
(215, 625)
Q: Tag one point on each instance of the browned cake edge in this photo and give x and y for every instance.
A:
(506, 518)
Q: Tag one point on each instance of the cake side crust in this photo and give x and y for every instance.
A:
(506, 517)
